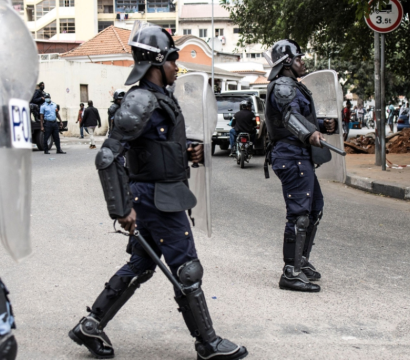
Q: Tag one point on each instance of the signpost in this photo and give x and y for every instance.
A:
(382, 21)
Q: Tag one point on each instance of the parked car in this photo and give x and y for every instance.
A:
(228, 105)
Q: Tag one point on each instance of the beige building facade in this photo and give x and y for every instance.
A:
(80, 20)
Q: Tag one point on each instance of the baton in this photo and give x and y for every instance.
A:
(333, 148)
(157, 260)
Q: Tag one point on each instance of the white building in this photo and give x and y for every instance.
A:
(195, 18)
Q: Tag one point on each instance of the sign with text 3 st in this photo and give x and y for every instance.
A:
(387, 18)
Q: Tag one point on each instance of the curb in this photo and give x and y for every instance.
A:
(377, 187)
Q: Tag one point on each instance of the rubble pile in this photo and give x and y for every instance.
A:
(398, 143)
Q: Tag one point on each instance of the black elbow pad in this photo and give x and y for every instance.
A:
(299, 126)
(114, 179)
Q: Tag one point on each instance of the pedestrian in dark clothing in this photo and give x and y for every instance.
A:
(91, 119)
(48, 115)
(79, 120)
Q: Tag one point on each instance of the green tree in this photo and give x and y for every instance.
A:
(332, 29)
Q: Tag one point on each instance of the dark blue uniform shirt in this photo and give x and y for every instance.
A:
(283, 150)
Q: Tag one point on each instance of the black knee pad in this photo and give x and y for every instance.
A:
(8, 347)
(302, 223)
(190, 273)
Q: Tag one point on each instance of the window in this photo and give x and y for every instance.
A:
(129, 6)
(169, 27)
(193, 54)
(48, 31)
(160, 6)
(253, 55)
(67, 3)
(219, 32)
(30, 12)
(44, 7)
(83, 93)
(18, 5)
(187, 31)
(203, 33)
(237, 30)
(105, 6)
(230, 104)
(67, 26)
(104, 24)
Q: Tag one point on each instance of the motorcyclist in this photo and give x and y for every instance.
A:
(243, 121)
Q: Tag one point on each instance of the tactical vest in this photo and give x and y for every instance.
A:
(161, 161)
(274, 118)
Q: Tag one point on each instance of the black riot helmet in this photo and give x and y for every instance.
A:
(118, 94)
(283, 54)
(151, 46)
(245, 104)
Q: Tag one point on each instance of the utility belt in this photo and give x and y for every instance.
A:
(157, 161)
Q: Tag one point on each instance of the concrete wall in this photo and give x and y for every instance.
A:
(63, 78)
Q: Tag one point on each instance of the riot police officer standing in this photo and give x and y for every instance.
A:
(294, 134)
(117, 98)
(151, 121)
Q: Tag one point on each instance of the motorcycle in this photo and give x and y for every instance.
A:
(244, 149)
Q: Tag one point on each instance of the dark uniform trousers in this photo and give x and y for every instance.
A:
(301, 192)
(51, 128)
(169, 234)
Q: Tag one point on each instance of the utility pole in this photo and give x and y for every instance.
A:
(377, 97)
(213, 41)
(383, 103)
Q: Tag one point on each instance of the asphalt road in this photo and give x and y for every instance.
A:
(362, 251)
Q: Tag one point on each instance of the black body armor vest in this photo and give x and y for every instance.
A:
(161, 161)
(283, 96)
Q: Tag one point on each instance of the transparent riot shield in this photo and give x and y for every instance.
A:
(328, 97)
(199, 107)
(18, 75)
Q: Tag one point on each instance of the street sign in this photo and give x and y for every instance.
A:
(387, 18)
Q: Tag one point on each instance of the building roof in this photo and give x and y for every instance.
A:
(208, 69)
(261, 80)
(112, 40)
(203, 11)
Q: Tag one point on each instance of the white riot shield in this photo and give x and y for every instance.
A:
(328, 98)
(18, 75)
(199, 108)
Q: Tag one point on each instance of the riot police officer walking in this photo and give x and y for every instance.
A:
(295, 148)
(151, 121)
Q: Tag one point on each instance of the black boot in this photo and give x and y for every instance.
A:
(220, 349)
(309, 270)
(86, 333)
(296, 281)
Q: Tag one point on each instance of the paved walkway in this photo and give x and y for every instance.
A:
(364, 175)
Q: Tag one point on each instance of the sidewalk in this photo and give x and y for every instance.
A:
(364, 175)
(75, 140)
